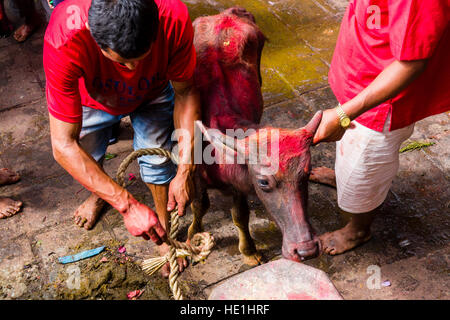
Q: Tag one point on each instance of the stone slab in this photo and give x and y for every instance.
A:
(277, 280)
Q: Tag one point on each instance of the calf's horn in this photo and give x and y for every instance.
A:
(313, 124)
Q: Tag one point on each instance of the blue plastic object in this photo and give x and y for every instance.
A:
(81, 255)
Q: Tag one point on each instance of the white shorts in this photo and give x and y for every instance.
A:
(366, 163)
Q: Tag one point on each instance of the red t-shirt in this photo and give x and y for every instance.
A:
(373, 34)
(78, 74)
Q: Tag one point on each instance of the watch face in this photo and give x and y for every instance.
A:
(345, 122)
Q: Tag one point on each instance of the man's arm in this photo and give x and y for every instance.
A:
(139, 219)
(389, 83)
(186, 112)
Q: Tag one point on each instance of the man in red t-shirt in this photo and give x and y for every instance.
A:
(106, 59)
(390, 68)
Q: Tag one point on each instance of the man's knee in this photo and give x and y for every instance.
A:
(158, 174)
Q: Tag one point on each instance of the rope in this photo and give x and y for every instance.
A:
(201, 243)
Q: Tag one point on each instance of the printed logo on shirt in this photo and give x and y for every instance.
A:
(126, 94)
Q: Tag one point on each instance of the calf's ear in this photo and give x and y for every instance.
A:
(225, 146)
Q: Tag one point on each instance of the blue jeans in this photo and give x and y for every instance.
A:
(153, 127)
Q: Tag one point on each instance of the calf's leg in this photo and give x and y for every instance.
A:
(199, 206)
(241, 216)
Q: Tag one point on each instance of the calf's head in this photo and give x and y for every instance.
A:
(278, 163)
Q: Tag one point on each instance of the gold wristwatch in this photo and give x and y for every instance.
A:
(344, 120)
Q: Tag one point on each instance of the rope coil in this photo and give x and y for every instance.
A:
(200, 245)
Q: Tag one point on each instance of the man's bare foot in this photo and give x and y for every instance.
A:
(87, 214)
(9, 207)
(165, 270)
(8, 177)
(23, 32)
(344, 239)
(323, 175)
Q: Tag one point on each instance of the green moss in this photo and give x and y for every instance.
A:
(110, 156)
(414, 145)
(201, 8)
(112, 279)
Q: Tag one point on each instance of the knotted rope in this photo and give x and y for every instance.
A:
(201, 243)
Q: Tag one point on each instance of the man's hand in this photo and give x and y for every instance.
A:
(388, 84)
(141, 221)
(329, 129)
(181, 191)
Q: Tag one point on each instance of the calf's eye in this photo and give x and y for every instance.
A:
(263, 183)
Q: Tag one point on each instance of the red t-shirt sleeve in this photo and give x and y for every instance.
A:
(182, 56)
(62, 76)
(416, 26)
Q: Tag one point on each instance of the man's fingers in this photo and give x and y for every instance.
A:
(154, 237)
(160, 231)
(319, 137)
(171, 203)
(182, 264)
(316, 140)
(338, 136)
(181, 208)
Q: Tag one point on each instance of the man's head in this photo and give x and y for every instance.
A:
(124, 29)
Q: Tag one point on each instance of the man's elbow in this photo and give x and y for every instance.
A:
(415, 67)
(57, 151)
(62, 149)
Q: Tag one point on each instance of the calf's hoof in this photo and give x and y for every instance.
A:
(255, 259)
(194, 229)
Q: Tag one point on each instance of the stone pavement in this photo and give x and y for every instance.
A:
(409, 248)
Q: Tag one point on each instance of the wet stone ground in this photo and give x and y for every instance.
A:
(410, 243)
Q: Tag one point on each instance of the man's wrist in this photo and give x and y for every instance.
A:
(124, 202)
(344, 119)
(185, 170)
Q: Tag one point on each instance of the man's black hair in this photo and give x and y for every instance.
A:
(127, 27)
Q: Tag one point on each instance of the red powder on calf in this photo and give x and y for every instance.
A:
(232, 37)
(292, 144)
(227, 76)
(226, 22)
